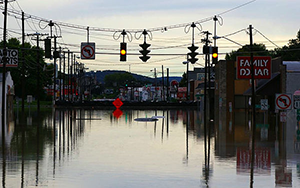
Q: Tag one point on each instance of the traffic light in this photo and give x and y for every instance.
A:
(48, 48)
(144, 52)
(123, 51)
(193, 54)
(214, 55)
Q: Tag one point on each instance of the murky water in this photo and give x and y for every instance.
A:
(106, 148)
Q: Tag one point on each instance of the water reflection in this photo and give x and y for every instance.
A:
(88, 148)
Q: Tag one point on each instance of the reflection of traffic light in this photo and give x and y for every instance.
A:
(123, 51)
(214, 55)
(193, 54)
(144, 52)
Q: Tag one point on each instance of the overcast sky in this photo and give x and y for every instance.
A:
(278, 20)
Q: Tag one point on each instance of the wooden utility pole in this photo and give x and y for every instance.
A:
(38, 65)
(253, 108)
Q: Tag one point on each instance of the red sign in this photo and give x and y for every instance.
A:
(262, 159)
(118, 103)
(118, 113)
(262, 67)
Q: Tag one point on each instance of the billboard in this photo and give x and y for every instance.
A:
(262, 67)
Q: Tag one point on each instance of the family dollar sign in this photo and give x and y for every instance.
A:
(261, 64)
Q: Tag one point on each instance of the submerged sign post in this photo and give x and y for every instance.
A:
(12, 58)
(262, 67)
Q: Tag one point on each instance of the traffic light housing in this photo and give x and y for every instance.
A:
(215, 55)
(193, 54)
(144, 51)
(47, 48)
(123, 51)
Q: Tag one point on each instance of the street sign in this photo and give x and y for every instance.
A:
(282, 116)
(262, 67)
(12, 58)
(87, 50)
(117, 103)
(264, 104)
(283, 101)
(297, 101)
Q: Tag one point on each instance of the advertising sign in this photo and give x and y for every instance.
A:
(261, 64)
(12, 58)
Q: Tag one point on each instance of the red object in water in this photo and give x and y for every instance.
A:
(118, 103)
(117, 113)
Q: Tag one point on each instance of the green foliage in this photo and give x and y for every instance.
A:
(117, 80)
(183, 81)
(30, 70)
(291, 51)
(257, 49)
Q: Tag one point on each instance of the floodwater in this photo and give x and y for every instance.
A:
(109, 149)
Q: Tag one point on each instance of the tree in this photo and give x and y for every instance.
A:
(117, 80)
(30, 73)
(183, 81)
(257, 49)
(291, 51)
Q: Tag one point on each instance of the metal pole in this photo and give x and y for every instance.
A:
(38, 72)
(23, 62)
(4, 73)
(60, 93)
(253, 108)
(64, 76)
(68, 76)
(163, 83)
(54, 72)
(168, 84)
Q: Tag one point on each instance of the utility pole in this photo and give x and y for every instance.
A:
(23, 61)
(68, 76)
(3, 117)
(168, 84)
(205, 93)
(64, 76)
(54, 71)
(253, 108)
(60, 93)
(163, 83)
(38, 66)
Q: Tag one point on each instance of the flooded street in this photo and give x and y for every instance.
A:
(107, 148)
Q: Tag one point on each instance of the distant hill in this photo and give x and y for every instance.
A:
(100, 75)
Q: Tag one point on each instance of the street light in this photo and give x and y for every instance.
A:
(187, 78)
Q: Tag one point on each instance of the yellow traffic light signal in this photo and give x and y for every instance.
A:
(123, 51)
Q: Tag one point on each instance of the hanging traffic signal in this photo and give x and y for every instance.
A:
(47, 48)
(123, 51)
(144, 52)
(193, 54)
(214, 55)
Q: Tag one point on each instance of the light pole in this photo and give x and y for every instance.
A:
(187, 79)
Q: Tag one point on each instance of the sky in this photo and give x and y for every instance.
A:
(272, 20)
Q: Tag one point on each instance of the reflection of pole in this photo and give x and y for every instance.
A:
(187, 135)
(253, 109)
